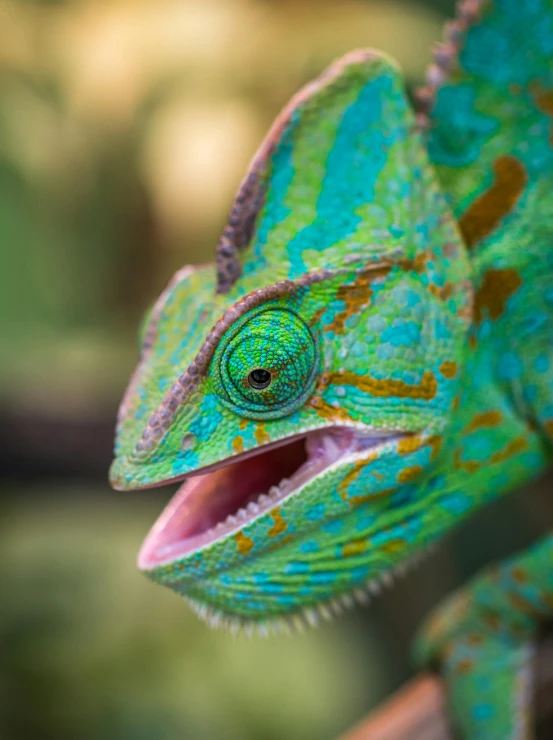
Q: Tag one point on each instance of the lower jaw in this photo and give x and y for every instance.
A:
(247, 600)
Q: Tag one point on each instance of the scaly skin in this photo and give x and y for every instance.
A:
(391, 274)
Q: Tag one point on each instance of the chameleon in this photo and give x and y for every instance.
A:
(369, 359)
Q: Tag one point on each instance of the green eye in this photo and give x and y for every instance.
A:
(265, 366)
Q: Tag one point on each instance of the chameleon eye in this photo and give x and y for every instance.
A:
(265, 366)
(259, 378)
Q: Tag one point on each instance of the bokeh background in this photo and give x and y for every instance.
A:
(125, 127)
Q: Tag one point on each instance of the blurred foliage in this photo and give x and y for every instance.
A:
(90, 649)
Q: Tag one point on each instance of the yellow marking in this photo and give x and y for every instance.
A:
(238, 445)
(485, 420)
(435, 442)
(358, 500)
(407, 445)
(260, 434)
(407, 474)
(327, 411)
(244, 543)
(388, 387)
(243, 423)
(279, 525)
(510, 450)
(449, 369)
(442, 292)
(354, 548)
(393, 546)
(352, 475)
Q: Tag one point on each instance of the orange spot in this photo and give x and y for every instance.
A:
(449, 369)
(272, 546)
(243, 543)
(356, 547)
(544, 101)
(435, 442)
(485, 420)
(418, 264)
(442, 292)
(519, 575)
(510, 450)
(261, 435)
(356, 296)
(494, 292)
(393, 546)
(469, 466)
(243, 423)
(409, 444)
(238, 445)
(522, 605)
(317, 315)
(486, 211)
(475, 639)
(464, 666)
(279, 525)
(352, 475)
(407, 474)
(358, 500)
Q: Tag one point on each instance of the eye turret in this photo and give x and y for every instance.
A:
(265, 366)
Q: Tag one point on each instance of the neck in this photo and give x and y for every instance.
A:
(491, 445)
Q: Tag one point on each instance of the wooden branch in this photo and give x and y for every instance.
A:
(418, 710)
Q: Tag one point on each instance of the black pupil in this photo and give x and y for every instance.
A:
(259, 378)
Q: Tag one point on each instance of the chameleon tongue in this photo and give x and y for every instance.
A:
(208, 507)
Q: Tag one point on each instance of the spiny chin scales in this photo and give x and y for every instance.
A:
(310, 616)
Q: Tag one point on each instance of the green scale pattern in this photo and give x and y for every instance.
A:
(392, 270)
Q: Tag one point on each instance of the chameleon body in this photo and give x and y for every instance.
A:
(370, 359)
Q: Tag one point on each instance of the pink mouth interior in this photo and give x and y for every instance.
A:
(208, 507)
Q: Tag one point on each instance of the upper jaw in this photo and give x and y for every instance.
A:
(222, 499)
(128, 474)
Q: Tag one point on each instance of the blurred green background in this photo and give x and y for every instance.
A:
(125, 127)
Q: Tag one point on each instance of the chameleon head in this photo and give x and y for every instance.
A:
(301, 386)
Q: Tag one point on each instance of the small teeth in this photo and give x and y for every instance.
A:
(362, 597)
(308, 616)
(374, 587)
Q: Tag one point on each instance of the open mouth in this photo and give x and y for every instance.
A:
(210, 506)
